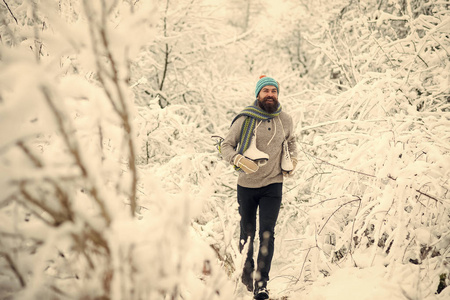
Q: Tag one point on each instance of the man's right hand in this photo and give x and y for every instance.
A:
(247, 165)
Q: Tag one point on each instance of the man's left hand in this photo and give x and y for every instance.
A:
(290, 173)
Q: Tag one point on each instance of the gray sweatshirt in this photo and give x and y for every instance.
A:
(269, 138)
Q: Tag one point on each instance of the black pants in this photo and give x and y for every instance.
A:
(268, 199)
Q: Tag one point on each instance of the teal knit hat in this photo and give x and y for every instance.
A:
(263, 81)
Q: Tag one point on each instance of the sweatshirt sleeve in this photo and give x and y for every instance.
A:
(231, 140)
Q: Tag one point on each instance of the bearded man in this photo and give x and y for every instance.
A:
(258, 143)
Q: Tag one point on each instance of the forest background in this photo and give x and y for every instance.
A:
(111, 183)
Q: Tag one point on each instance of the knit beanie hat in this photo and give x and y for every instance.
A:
(264, 81)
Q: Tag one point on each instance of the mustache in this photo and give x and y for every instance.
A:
(270, 98)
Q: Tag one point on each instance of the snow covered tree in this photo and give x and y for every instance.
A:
(68, 174)
(374, 148)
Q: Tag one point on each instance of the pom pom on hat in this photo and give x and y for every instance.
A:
(264, 81)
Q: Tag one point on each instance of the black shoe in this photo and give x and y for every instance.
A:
(261, 293)
(247, 280)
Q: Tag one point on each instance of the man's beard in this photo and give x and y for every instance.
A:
(270, 107)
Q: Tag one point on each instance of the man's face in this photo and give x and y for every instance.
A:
(268, 98)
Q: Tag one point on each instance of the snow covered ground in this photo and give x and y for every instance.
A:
(350, 283)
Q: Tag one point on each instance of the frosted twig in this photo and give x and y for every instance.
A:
(353, 230)
(59, 291)
(323, 201)
(444, 23)
(341, 66)
(303, 265)
(389, 59)
(340, 206)
(305, 128)
(340, 167)
(74, 151)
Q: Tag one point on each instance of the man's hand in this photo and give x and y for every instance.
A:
(247, 165)
(290, 173)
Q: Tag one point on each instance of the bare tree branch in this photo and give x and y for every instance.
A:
(117, 99)
(166, 52)
(57, 218)
(125, 116)
(27, 151)
(7, 6)
(14, 268)
(429, 196)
